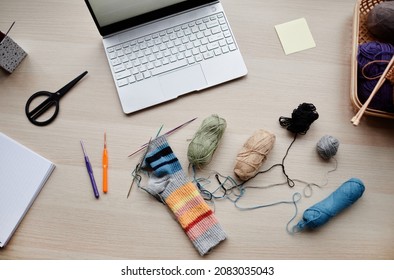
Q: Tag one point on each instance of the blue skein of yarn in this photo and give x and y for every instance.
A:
(320, 213)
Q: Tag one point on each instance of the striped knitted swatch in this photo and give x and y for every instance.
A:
(169, 182)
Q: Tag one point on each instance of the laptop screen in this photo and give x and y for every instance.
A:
(115, 15)
(108, 12)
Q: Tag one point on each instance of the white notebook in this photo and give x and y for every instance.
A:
(23, 173)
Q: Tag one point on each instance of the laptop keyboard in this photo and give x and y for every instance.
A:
(167, 50)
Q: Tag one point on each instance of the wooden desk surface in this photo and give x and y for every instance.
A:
(67, 222)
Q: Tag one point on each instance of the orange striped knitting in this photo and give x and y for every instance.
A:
(183, 198)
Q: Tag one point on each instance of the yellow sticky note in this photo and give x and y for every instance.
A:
(295, 36)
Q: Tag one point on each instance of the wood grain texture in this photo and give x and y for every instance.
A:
(67, 222)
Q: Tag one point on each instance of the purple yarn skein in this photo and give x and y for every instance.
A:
(368, 52)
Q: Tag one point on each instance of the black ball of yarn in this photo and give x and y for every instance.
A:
(301, 118)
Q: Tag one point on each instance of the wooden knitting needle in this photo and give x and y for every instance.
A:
(356, 119)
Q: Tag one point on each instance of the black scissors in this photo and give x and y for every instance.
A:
(52, 100)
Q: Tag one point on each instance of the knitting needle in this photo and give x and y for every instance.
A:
(356, 119)
(166, 134)
(158, 132)
(138, 168)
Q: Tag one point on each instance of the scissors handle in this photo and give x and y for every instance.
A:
(52, 100)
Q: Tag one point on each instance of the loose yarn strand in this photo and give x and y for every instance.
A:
(376, 75)
(290, 182)
(229, 189)
(236, 191)
(295, 200)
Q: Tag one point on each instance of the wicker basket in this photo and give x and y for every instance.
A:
(360, 36)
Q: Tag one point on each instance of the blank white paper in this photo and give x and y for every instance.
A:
(23, 173)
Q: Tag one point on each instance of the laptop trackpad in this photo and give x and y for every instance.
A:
(182, 81)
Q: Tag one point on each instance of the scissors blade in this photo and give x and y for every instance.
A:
(67, 87)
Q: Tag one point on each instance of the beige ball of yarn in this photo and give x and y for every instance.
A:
(253, 154)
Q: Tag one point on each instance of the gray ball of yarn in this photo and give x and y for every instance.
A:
(327, 146)
(380, 21)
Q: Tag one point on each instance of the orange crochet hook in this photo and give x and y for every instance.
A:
(105, 165)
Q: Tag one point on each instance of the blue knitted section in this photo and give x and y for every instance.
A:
(162, 161)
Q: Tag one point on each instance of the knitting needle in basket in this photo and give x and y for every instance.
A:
(356, 119)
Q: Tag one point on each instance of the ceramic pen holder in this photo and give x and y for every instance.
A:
(11, 54)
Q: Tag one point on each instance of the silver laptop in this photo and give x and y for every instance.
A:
(159, 50)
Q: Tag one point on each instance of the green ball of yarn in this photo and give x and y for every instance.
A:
(206, 140)
(380, 21)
